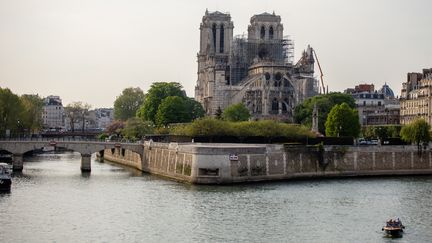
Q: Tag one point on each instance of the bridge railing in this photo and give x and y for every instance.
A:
(66, 139)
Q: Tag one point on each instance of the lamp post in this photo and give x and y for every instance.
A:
(18, 128)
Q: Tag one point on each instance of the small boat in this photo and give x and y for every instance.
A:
(5, 177)
(394, 228)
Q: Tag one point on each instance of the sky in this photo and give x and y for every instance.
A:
(90, 50)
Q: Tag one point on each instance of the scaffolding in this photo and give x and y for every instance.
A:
(245, 52)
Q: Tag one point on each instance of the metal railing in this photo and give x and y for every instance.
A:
(67, 139)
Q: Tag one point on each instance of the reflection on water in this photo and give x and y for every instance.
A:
(51, 200)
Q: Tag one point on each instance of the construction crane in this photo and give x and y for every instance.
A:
(321, 77)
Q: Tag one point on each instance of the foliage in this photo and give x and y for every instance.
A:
(157, 92)
(136, 128)
(204, 127)
(381, 132)
(303, 112)
(31, 115)
(218, 114)
(266, 128)
(416, 132)
(236, 112)
(10, 111)
(194, 108)
(342, 121)
(127, 104)
(173, 109)
(115, 127)
(103, 136)
(76, 112)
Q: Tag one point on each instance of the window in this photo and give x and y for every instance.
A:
(214, 36)
(275, 105)
(271, 32)
(222, 37)
(262, 32)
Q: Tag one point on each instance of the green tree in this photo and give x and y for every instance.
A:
(218, 114)
(157, 92)
(10, 112)
(303, 112)
(173, 109)
(342, 121)
(417, 132)
(127, 104)
(236, 112)
(136, 128)
(195, 108)
(31, 115)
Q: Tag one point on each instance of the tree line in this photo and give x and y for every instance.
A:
(19, 114)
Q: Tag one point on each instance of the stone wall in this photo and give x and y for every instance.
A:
(230, 163)
(124, 157)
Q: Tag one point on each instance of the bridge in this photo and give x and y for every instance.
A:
(18, 147)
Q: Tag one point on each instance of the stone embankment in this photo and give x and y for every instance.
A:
(232, 163)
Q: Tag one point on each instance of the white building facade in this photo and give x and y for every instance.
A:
(53, 113)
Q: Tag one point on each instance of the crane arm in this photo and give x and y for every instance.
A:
(319, 66)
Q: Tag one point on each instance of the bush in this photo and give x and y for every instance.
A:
(265, 128)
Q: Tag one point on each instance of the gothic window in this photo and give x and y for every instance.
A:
(267, 76)
(214, 36)
(278, 76)
(271, 32)
(222, 37)
(262, 32)
(275, 105)
(285, 105)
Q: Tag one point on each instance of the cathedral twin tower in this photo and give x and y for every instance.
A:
(256, 70)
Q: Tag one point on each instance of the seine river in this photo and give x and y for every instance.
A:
(51, 201)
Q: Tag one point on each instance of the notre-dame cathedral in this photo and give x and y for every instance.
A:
(257, 70)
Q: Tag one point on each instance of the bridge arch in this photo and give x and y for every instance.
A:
(84, 147)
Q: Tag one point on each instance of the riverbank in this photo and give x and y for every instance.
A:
(210, 163)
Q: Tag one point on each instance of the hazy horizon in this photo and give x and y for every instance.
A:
(91, 50)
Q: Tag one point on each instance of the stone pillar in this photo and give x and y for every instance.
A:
(17, 163)
(85, 162)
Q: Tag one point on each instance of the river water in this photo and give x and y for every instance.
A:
(51, 201)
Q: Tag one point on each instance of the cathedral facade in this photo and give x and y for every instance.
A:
(256, 70)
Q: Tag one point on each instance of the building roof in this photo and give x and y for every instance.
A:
(387, 91)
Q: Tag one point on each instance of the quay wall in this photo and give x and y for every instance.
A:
(232, 163)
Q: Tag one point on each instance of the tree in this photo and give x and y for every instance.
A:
(416, 132)
(76, 112)
(195, 108)
(342, 121)
(157, 92)
(31, 116)
(173, 109)
(115, 128)
(218, 114)
(10, 111)
(136, 128)
(303, 112)
(236, 112)
(127, 104)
